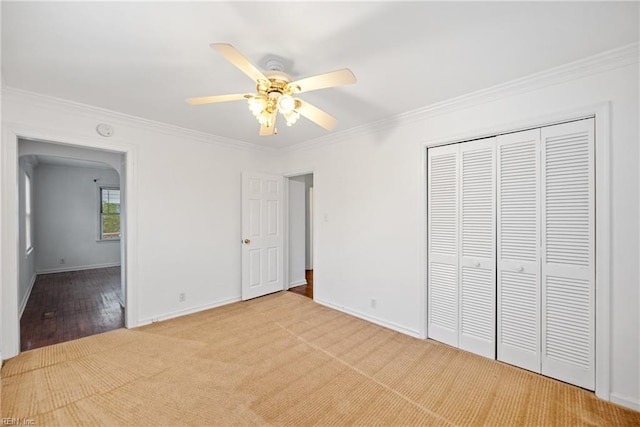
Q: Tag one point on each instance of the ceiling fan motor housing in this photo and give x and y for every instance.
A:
(273, 64)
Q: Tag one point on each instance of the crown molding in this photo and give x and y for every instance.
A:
(596, 64)
(113, 117)
(602, 62)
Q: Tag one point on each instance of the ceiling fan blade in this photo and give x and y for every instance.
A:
(316, 115)
(268, 131)
(215, 98)
(322, 81)
(236, 58)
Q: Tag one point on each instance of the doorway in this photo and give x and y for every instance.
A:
(301, 234)
(70, 279)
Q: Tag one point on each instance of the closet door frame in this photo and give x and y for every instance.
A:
(602, 114)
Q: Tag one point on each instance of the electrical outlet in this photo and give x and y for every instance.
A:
(61, 260)
(182, 297)
(374, 303)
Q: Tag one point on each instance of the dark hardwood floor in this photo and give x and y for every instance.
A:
(66, 306)
(306, 290)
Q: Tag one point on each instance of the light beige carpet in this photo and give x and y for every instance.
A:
(282, 360)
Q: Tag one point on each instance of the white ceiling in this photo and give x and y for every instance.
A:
(145, 58)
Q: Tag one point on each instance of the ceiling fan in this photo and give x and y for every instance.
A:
(277, 93)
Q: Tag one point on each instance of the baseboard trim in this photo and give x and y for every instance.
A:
(78, 268)
(23, 304)
(372, 319)
(626, 401)
(191, 310)
(297, 283)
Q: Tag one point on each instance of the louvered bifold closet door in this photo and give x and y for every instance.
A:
(518, 266)
(442, 205)
(568, 275)
(477, 271)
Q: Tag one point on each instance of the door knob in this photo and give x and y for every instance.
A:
(521, 269)
(247, 241)
(477, 263)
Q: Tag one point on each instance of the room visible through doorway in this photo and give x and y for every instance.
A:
(70, 281)
(301, 235)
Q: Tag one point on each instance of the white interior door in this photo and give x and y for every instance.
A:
(262, 234)
(568, 274)
(518, 266)
(477, 332)
(442, 184)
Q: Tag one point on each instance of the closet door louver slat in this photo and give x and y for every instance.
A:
(568, 276)
(518, 241)
(477, 247)
(442, 204)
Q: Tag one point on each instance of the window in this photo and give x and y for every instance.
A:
(27, 214)
(109, 213)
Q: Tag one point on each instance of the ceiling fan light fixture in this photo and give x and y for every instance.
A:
(286, 104)
(263, 86)
(257, 104)
(292, 117)
(293, 88)
(264, 119)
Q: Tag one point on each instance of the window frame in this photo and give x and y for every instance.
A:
(101, 238)
(28, 214)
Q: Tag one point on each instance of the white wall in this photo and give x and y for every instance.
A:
(27, 268)
(297, 231)
(370, 212)
(66, 218)
(186, 207)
